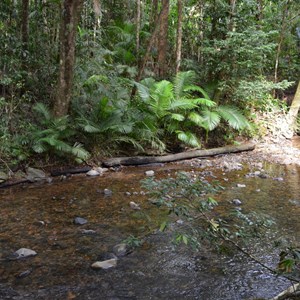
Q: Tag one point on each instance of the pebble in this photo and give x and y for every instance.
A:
(88, 231)
(121, 249)
(80, 221)
(92, 173)
(149, 173)
(236, 201)
(106, 264)
(134, 205)
(239, 185)
(278, 178)
(107, 192)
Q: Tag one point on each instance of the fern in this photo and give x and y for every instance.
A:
(233, 116)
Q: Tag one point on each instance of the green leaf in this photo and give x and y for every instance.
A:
(177, 117)
(196, 118)
(182, 80)
(163, 226)
(188, 138)
(195, 88)
(211, 119)
(233, 116)
(185, 239)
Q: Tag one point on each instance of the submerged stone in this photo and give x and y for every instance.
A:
(121, 249)
(22, 253)
(106, 264)
(149, 173)
(80, 221)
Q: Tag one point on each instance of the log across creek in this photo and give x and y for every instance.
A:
(141, 160)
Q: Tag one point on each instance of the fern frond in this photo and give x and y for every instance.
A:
(79, 152)
(177, 117)
(182, 104)
(143, 91)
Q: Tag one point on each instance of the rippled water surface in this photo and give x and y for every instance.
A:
(40, 217)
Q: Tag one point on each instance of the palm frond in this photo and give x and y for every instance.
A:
(181, 81)
(211, 119)
(188, 138)
(43, 110)
(177, 117)
(79, 152)
(182, 104)
(143, 91)
(204, 102)
(233, 116)
(196, 118)
(196, 88)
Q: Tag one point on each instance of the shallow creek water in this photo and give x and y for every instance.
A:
(156, 270)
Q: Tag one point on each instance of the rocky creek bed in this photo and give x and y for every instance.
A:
(42, 217)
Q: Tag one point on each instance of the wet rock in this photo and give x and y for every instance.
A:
(107, 192)
(24, 274)
(239, 185)
(180, 222)
(263, 176)
(80, 221)
(35, 175)
(236, 201)
(127, 193)
(278, 179)
(39, 223)
(93, 173)
(87, 231)
(149, 173)
(106, 264)
(101, 170)
(3, 176)
(134, 205)
(121, 249)
(22, 253)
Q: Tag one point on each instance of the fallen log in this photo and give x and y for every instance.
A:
(70, 171)
(139, 160)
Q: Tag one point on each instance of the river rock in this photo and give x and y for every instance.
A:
(106, 264)
(107, 192)
(121, 249)
(239, 185)
(22, 253)
(101, 170)
(88, 231)
(134, 205)
(80, 221)
(236, 201)
(3, 176)
(149, 173)
(93, 173)
(278, 179)
(35, 175)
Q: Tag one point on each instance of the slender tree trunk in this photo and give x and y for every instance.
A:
(138, 24)
(97, 12)
(232, 23)
(70, 17)
(149, 47)
(179, 35)
(259, 14)
(201, 31)
(163, 40)
(154, 13)
(294, 109)
(25, 24)
(281, 38)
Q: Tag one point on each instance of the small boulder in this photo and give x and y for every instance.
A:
(106, 264)
(3, 176)
(35, 175)
(80, 221)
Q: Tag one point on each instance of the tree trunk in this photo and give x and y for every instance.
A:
(68, 28)
(138, 24)
(232, 23)
(149, 47)
(25, 24)
(140, 160)
(281, 38)
(163, 40)
(294, 109)
(179, 36)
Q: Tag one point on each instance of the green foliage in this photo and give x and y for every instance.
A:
(190, 200)
(53, 135)
(177, 109)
